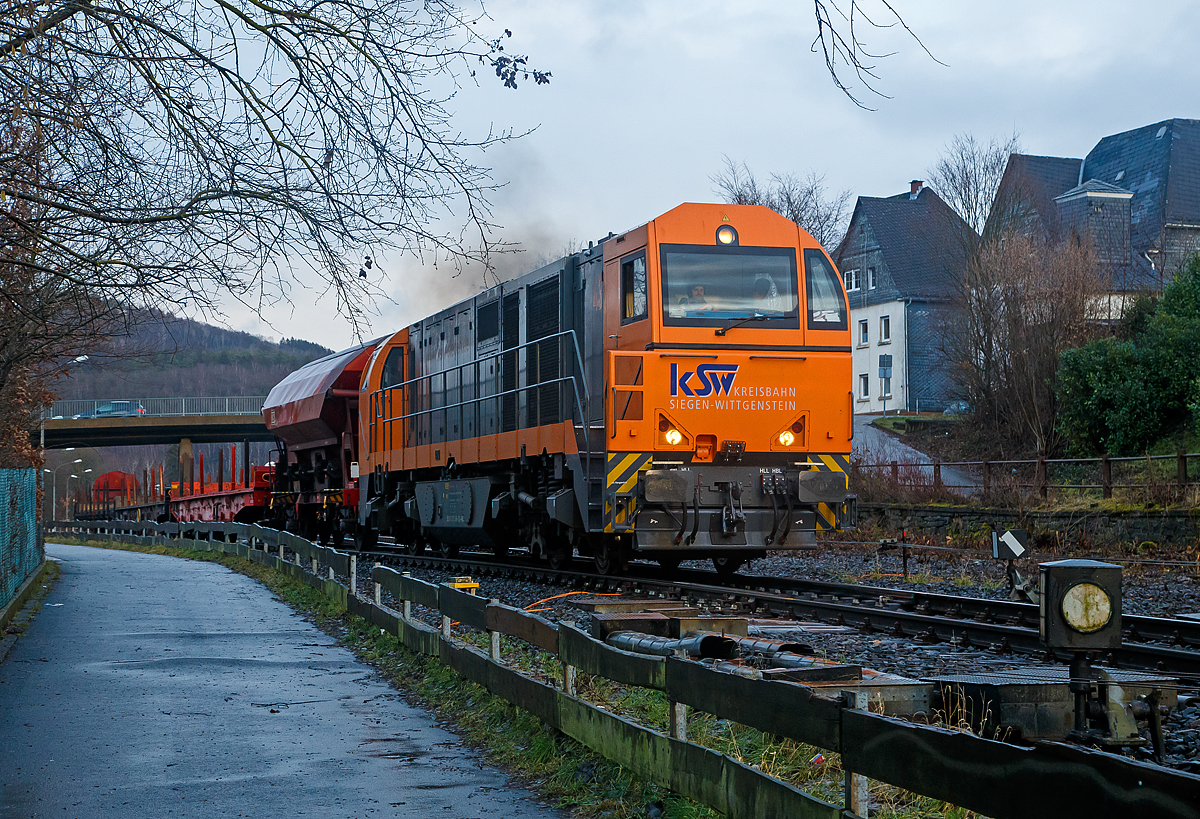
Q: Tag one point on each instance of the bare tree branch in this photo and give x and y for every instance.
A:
(845, 52)
(824, 214)
(164, 155)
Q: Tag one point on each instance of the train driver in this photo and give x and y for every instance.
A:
(695, 301)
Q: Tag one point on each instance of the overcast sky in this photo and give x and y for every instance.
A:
(647, 98)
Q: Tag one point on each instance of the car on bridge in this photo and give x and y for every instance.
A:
(115, 409)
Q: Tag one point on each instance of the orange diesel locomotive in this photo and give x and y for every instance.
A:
(681, 390)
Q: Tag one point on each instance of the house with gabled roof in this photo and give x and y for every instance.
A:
(900, 259)
(1135, 197)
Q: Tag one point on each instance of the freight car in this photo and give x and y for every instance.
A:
(313, 414)
(677, 391)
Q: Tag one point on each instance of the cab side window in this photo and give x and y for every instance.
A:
(633, 289)
(393, 368)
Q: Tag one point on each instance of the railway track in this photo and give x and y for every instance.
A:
(1159, 644)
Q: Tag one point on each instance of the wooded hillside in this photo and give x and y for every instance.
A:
(180, 357)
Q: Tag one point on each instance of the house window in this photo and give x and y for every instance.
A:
(872, 280)
(851, 277)
(885, 329)
(864, 386)
(863, 333)
(886, 386)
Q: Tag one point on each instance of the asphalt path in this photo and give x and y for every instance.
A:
(875, 446)
(150, 686)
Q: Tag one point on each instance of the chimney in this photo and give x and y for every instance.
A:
(915, 188)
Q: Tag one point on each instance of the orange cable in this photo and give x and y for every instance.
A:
(568, 594)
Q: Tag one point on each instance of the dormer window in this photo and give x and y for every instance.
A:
(852, 280)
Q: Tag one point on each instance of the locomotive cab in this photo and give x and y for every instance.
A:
(727, 385)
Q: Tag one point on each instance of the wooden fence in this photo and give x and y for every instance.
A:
(1037, 474)
(1047, 781)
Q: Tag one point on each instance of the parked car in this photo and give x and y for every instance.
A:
(957, 408)
(115, 409)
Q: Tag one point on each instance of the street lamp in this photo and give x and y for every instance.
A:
(54, 488)
(76, 477)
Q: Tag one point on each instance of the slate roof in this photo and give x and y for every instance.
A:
(1034, 181)
(1094, 186)
(1160, 164)
(920, 239)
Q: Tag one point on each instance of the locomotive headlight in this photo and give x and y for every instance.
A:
(1086, 607)
(787, 437)
(673, 437)
(726, 235)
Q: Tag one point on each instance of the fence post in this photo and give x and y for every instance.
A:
(937, 475)
(495, 647)
(1041, 475)
(895, 472)
(1106, 475)
(378, 590)
(857, 797)
(569, 678)
(987, 476)
(679, 721)
(1181, 468)
(354, 575)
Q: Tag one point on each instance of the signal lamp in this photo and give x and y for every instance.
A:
(673, 437)
(1086, 608)
(787, 438)
(726, 235)
(663, 424)
(798, 427)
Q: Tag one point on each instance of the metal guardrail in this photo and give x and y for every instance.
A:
(127, 407)
(1050, 780)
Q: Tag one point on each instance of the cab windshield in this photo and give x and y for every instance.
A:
(708, 286)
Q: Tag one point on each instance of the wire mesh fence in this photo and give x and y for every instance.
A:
(136, 407)
(21, 552)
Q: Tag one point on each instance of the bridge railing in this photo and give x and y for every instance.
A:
(126, 407)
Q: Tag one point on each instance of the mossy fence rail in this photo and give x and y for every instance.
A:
(1050, 780)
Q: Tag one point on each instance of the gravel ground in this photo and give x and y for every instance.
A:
(1151, 590)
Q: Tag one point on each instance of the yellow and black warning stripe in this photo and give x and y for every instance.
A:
(623, 469)
(828, 514)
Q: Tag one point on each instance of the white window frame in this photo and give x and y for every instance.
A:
(864, 332)
(864, 386)
(852, 281)
(872, 278)
(885, 329)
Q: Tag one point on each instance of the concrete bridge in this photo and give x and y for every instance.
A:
(134, 422)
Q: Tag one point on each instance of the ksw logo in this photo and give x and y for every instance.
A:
(714, 379)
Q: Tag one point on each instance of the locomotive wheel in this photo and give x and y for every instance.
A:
(608, 556)
(447, 549)
(365, 538)
(560, 555)
(727, 566)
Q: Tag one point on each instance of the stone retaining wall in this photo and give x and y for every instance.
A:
(1178, 528)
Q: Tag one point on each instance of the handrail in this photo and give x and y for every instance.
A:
(581, 404)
